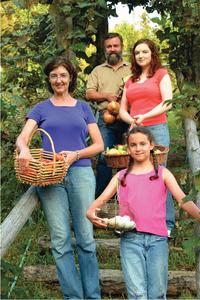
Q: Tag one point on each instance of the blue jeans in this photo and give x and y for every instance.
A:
(61, 203)
(144, 259)
(112, 135)
(161, 136)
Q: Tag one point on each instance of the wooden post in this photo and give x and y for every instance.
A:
(193, 154)
(16, 219)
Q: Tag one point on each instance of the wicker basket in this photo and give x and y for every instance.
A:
(116, 215)
(117, 161)
(44, 169)
(121, 161)
(162, 156)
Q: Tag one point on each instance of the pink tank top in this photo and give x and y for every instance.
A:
(144, 201)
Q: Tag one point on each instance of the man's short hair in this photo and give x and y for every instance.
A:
(112, 35)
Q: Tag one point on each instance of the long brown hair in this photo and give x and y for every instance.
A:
(145, 131)
(155, 59)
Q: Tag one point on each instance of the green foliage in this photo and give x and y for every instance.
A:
(190, 244)
(179, 260)
(8, 272)
(197, 181)
(11, 123)
(179, 26)
(132, 33)
(188, 100)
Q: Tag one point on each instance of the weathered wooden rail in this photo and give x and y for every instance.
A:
(111, 244)
(112, 281)
(16, 219)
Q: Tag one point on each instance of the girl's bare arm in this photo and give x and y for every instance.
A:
(188, 206)
(107, 194)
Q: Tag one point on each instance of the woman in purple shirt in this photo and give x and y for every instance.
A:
(69, 121)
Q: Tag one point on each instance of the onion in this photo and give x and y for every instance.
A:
(118, 222)
(113, 107)
(108, 118)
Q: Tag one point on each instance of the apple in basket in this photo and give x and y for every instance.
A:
(48, 163)
(59, 156)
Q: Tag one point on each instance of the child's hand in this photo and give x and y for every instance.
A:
(91, 215)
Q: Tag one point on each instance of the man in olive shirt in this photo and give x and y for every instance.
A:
(105, 84)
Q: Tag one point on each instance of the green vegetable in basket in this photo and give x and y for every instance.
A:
(117, 150)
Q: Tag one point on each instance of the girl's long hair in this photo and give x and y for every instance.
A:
(150, 137)
(155, 60)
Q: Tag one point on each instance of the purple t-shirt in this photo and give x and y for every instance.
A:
(67, 126)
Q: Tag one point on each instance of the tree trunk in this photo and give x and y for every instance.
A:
(193, 153)
(63, 27)
(102, 31)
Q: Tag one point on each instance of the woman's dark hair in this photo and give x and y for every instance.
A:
(155, 59)
(145, 131)
(57, 62)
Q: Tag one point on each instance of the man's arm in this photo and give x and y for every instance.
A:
(92, 91)
(100, 96)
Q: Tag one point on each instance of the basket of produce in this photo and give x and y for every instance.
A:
(45, 168)
(116, 215)
(117, 157)
(161, 153)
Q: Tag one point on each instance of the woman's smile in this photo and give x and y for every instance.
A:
(59, 79)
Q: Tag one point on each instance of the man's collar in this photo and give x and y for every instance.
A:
(123, 63)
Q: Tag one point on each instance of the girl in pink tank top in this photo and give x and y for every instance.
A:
(142, 190)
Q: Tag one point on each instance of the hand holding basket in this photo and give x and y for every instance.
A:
(46, 167)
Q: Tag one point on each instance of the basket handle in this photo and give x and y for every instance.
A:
(51, 142)
(49, 137)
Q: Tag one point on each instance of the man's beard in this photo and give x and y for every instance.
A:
(113, 58)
